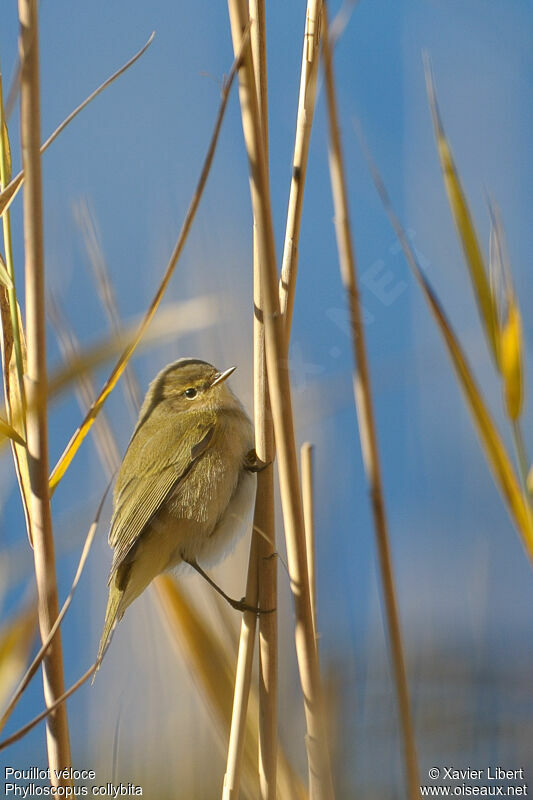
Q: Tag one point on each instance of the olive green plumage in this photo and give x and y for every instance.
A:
(184, 487)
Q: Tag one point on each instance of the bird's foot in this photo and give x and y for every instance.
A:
(242, 605)
(254, 464)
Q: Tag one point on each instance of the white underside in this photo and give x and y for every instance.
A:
(235, 520)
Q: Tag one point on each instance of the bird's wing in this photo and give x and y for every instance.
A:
(143, 494)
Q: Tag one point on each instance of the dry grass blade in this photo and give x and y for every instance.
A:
(106, 293)
(80, 434)
(5, 280)
(9, 192)
(511, 360)
(367, 426)
(51, 709)
(16, 639)
(211, 667)
(189, 315)
(510, 346)
(496, 454)
(57, 738)
(85, 391)
(14, 392)
(10, 433)
(280, 398)
(509, 322)
(463, 221)
(13, 344)
(34, 666)
(304, 123)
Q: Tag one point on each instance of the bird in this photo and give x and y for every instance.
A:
(185, 486)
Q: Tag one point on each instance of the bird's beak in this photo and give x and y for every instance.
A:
(220, 377)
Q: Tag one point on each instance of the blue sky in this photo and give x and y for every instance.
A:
(135, 154)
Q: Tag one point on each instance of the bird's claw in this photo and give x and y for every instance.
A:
(242, 605)
(254, 464)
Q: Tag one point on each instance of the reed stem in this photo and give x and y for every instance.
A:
(365, 415)
(321, 786)
(57, 734)
(306, 459)
(304, 123)
(261, 586)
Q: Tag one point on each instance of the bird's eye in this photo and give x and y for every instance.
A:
(190, 393)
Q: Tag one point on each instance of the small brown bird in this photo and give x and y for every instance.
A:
(185, 486)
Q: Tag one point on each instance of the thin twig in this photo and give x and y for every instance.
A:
(72, 447)
(37, 431)
(365, 415)
(49, 710)
(280, 398)
(8, 194)
(32, 669)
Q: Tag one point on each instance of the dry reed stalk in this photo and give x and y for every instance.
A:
(365, 415)
(241, 693)
(57, 734)
(304, 123)
(261, 586)
(264, 519)
(306, 459)
(280, 398)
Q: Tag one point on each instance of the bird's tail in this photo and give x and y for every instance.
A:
(113, 614)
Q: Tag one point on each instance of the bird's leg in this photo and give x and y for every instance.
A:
(238, 605)
(254, 464)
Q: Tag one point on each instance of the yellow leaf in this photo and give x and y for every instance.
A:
(7, 149)
(9, 193)
(465, 227)
(14, 391)
(16, 638)
(511, 360)
(5, 280)
(496, 454)
(7, 430)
